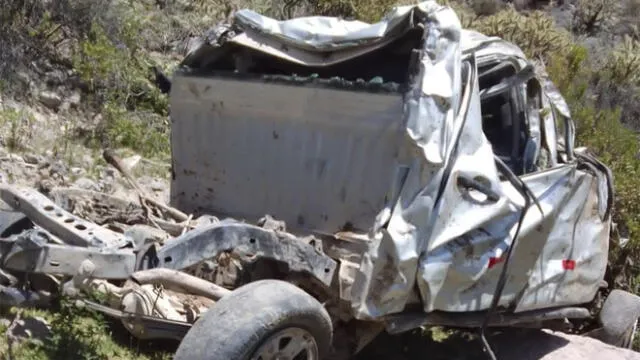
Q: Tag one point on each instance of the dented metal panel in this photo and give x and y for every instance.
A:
(314, 157)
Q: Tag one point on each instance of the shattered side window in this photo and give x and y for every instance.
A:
(505, 114)
(561, 131)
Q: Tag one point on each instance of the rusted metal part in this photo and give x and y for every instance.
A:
(179, 281)
(62, 224)
(396, 324)
(152, 327)
(32, 252)
(210, 240)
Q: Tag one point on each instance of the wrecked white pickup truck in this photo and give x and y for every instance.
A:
(344, 179)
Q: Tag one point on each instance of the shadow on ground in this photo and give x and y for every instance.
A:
(508, 344)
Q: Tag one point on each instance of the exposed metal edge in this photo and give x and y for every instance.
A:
(155, 328)
(334, 83)
(209, 241)
(397, 324)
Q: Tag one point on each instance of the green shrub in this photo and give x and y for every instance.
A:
(535, 32)
(622, 66)
(17, 125)
(591, 16)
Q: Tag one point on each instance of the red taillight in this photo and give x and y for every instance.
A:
(494, 260)
(568, 264)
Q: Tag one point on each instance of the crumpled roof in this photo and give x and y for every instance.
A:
(323, 33)
(314, 36)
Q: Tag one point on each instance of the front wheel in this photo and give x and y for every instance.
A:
(263, 320)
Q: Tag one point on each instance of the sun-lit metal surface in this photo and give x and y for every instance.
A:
(302, 155)
(288, 344)
(393, 165)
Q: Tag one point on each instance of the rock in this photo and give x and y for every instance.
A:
(86, 161)
(157, 185)
(74, 99)
(50, 100)
(45, 186)
(31, 327)
(15, 158)
(23, 77)
(55, 77)
(78, 171)
(87, 184)
(508, 344)
(58, 168)
(547, 345)
(131, 161)
(31, 159)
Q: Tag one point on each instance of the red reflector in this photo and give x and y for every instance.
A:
(568, 264)
(494, 260)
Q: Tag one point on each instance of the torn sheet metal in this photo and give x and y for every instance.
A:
(33, 251)
(432, 233)
(69, 228)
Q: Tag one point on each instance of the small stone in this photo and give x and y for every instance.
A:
(78, 171)
(87, 161)
(23, 77)
(55, 77)
(15, 158)
(45, 186)
(50, 99)
(157, 185)
(131, 161)
(31, 159)
(58, 168)
(86, 184)
(74, 99)
(32, 327)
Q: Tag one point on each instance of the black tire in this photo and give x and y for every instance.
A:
(237, 325)
(619, 318)
(12, 223)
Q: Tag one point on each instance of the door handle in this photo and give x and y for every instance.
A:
(479, 184)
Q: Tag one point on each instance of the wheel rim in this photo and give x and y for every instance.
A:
(288, 344)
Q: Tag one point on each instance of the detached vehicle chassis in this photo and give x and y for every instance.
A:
(415, 174)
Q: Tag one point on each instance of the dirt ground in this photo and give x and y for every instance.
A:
(511, 344)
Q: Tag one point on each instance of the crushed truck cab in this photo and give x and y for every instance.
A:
(430, 146)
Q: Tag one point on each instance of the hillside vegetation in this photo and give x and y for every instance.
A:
(102, 51)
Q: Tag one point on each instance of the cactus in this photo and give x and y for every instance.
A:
(623, 65)
(536, 33)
